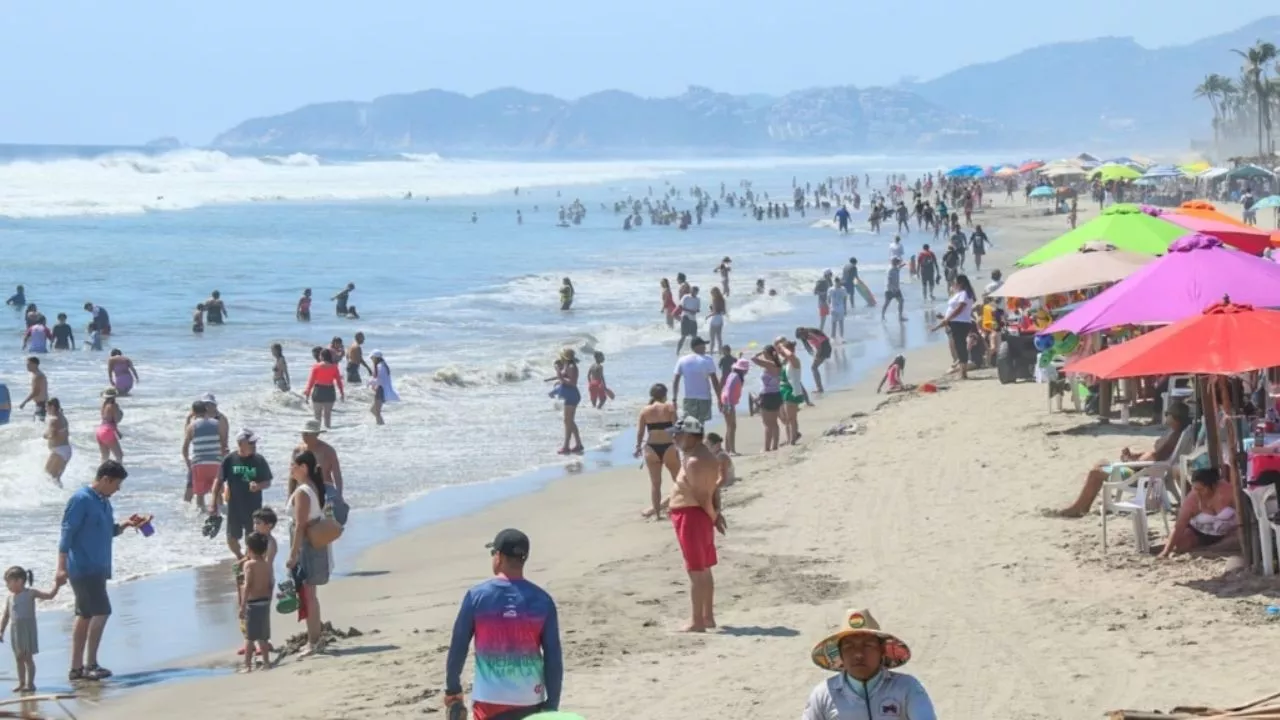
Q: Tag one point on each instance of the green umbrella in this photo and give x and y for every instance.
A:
(1124, 226)
(1115, 172)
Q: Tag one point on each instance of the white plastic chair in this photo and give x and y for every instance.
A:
(1260, 497)
(1146, 490)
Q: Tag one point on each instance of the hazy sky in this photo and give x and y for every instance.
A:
(125, 71)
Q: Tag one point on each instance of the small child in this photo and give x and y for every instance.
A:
(715, 443)
(264, 523)
(597, 388)
(557, 389)
(20, 606)
(94, 337)
(893, 376)
(255, 600)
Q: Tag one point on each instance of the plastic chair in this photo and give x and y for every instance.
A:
(1146, 490)
(1259, 497)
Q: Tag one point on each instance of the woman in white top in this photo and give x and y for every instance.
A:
(383, 392)
(959, 321)
(1207, 518)
(306, 505)
(715, 320)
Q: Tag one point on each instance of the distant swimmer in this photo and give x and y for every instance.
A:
(842, 219)
(303, 312)
(279, 368)
(341, 299)
(37, 337)
(197, 319)
(18, 298)
(120, 372)
(215, 310)
(724, 268)
(63, 339)
(355, 361)
(100, 317)
(108, 431)
(39, 389)
(519, 218)
(474, 218)
(57, 434)
(566, 294)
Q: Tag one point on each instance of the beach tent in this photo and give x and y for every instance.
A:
(1213, 173)
(1198, 271)
(1094, 264)
(1249, 172)
(1124, 226)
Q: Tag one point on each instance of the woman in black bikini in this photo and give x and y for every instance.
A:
(819, 346)
(658, 449)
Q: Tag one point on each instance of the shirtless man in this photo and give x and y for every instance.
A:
(695, 513)
(215, 310)
(326, 456)
(39, 388)
(355, 360)
(342, 298)
(57, 434)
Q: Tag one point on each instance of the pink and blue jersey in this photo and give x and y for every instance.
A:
(517, 637)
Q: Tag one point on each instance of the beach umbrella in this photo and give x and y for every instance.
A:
(1270, 201)
(1197, 272)
(1194, 168)
(1030, 165)
(1235, 234)
(1094, 264)
(1007, 171)
(964, 171)
(1124, 226)
(1223, 339)
(1163, 171)
(1209, 211)
(1249, 172)
(1043, 191)
(1113, 171)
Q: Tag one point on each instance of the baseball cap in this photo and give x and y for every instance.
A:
(512, 543)
(697, 341)
(688, 426)
(247, 435)
(209, 398)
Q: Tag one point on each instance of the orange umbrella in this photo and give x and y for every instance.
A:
(1207, 210)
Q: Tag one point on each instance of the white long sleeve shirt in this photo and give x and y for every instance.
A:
(887, 696)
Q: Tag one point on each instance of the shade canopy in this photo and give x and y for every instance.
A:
(1224, 339)
(1112, 171)
(1095, 264)
(1124, 226)
(1197, 272)
(1249, 172)
(1270, 201)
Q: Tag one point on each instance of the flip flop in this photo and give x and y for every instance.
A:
(212, 525)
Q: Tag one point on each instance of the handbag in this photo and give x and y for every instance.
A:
(322, 532)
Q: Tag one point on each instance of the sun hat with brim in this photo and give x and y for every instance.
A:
(826, 654)
(110, 393)
(312, 427)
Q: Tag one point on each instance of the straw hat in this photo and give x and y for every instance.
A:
(826, 654)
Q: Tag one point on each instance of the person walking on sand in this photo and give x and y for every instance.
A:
(697, 371)
(309, 565)
(57, 435)
(654, 443)
(121, 373)
(383, 391)
(695, 514)
(340, 301)
(519, 668)
(39, 389)
(202, 452)
(893, 289)
(863, 658)
(84, 560)
(769, 401)
(571, 396)
(355, 361)
(20, 617)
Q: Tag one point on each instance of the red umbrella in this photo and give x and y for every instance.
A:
(1030, 165)
(1225, 339)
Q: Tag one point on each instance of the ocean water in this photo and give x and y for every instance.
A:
(465, 313)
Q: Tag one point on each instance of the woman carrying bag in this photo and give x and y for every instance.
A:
(312, 533)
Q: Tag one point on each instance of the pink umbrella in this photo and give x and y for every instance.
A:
(1197, 272)
(1247, 239)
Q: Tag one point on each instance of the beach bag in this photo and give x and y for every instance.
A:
(322, 532)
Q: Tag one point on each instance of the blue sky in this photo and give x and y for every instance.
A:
(86, 71)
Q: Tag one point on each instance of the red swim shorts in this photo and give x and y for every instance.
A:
(697, 536)
(203, 476)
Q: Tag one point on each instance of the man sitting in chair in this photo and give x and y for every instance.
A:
(1177, 418)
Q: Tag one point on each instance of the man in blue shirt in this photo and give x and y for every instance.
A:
(84, 559)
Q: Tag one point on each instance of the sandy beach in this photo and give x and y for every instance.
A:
(928, 515)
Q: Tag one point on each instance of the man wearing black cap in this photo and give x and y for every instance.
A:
(519, 666)
(698, 372)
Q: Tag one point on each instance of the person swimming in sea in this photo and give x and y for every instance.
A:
(215, 310)
(341, 299)
(303, 311)
(197, 319)
(279, 368)
(566, 294)
(355, 361)
(121, 372)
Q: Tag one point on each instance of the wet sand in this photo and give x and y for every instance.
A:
(928, 515)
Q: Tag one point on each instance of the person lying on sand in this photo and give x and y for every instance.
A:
(1176, 418)
(1207, 519)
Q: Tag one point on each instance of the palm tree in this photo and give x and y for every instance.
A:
(1214, 89)
(1255, 62)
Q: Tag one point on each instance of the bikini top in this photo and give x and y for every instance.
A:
(665, 425)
